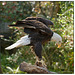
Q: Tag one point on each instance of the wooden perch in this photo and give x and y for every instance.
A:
(33, 69)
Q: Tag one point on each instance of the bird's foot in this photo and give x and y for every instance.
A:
(41, 63)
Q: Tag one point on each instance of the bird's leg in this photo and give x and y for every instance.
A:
(37, 51)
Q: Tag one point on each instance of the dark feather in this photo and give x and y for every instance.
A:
(45, 21)
(34, 25)
(38, 50)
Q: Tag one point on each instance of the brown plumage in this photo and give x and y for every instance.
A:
(45, 21)
(38, 31)
(33, 25)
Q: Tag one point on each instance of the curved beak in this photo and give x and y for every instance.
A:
(59, 45)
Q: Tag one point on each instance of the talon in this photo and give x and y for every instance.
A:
(41, 63)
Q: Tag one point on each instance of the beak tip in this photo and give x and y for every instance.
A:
(59, 46)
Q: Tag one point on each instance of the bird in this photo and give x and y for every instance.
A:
(38, 33)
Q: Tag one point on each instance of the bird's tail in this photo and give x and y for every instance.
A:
(23, 41)
(15, 45)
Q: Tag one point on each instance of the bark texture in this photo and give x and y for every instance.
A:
(33, 69)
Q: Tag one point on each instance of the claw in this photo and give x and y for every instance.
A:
(41, 63)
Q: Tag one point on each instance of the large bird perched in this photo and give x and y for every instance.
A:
(38, 33)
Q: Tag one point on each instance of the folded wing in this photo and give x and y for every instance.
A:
(34, 26)
(45, 21)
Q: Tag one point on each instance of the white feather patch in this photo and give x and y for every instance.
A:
(23, 41)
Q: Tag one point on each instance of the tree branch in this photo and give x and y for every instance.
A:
(33, 69)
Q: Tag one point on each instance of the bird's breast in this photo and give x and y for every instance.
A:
(39, 38)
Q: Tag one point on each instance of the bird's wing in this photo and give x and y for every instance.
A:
(34, 26)
(45, 21)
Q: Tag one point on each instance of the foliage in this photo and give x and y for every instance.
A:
(60, 60)
(11, 11)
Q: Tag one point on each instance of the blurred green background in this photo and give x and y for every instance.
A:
(61, 13)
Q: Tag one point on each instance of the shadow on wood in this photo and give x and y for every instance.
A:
(33, 69)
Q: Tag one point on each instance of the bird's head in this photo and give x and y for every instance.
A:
(57, 38)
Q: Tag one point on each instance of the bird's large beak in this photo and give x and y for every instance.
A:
(59, 45)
